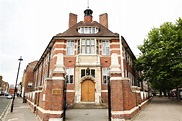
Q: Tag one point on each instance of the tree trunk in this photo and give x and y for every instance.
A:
(160, 92)
(177, 94)
(164, 91)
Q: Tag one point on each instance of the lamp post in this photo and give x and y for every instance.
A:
(64, 96)
(20, 59)
(109, 99)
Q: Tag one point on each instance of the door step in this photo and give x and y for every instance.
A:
(88, 106)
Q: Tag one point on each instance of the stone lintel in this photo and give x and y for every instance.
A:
(56, 119)
(119, 78)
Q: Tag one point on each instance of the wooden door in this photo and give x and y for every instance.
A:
(88, 91)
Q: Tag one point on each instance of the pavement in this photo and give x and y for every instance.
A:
(21, 112)
(159, 109)
(87, 115)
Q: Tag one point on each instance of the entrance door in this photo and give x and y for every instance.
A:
(88, 91)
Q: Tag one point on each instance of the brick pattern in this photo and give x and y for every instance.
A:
(103, 19)
(72, 19)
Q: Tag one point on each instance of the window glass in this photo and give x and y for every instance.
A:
(93, 72)
(78, 46)
(82, 72)
(88, 46)
(105, 47)
(93, 30)
(30, 85)
(88, 30)
(105, 75)
(87, 72)
(69, 75)
(83, 49)
(70, 47)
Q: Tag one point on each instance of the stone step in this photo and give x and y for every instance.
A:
(88, 106)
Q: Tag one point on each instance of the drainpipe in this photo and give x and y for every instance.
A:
(49, 62)
(41, 73)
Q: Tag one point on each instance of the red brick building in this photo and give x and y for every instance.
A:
(4, 86)
(86, 57)
(27, 79)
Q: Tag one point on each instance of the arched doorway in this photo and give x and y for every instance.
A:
(88, 91)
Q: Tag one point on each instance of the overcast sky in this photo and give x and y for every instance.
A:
(27, 26)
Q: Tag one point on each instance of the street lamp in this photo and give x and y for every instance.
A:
(109, 99)
(20, 59)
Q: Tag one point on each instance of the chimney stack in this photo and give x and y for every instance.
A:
(103, 19)
(72, 19)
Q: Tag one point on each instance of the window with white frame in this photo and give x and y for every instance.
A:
(88, 46)
(105, 75)
(105, 47)
(70, 47)
(88, 30)
(69, 75)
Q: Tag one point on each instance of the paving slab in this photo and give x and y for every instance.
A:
(87, 115)
(21, 112)
(161, 109)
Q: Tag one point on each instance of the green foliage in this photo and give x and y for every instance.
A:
(161, 58)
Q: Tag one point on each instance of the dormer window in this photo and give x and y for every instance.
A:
(88, 30)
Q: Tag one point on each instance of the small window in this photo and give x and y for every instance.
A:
(30, 85)
(82, 72)
(69, 75)
(70, 47)
(105, 47)
(93, 72)
(105, 75)
(87, 72)
(78, 47)
(88, 30)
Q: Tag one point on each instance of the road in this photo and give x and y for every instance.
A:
(3, 105)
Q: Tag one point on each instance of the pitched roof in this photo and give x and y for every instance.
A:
(103, 31)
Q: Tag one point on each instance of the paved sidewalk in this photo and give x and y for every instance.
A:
(87, 115)
(161, 109)
(21, 112)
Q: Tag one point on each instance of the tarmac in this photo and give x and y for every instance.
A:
(159, 109)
